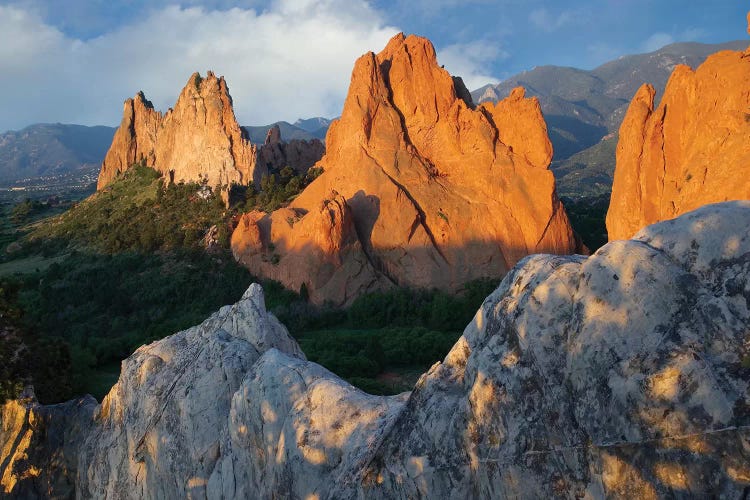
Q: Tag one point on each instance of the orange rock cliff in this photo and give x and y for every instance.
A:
(692, 150)
(419, 188)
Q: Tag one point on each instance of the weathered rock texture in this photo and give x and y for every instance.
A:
(197, 140)
(39, 446)
(419, 188)
(624, 374)
(691, 150)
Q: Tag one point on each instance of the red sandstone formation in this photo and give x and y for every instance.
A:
(200, 141)
(420, 188)
(692, 150)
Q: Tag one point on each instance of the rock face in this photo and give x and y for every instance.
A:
(298, 154)
(437, 192)
(691, 150)
(200, 141)
(39, 446)
(197, 140)
(624, 374)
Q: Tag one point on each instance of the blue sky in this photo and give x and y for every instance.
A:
(75, 61)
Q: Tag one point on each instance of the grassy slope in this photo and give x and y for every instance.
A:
(584, 182)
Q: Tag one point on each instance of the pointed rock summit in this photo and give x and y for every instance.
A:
(420, 188)
(273, 136)
(197, 140)
(692, 150)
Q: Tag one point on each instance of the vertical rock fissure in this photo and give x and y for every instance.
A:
(415, 204)
(662, 173)
(376, 264)
(555, 208)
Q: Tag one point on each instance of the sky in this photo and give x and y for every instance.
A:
(76, 61)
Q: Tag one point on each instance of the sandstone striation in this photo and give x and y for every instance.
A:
(693, 149)
(622, 375)
(438, 192)
(198, 140)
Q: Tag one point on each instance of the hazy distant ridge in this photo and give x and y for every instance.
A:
(47, 149)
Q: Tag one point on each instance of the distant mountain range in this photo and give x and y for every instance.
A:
(317, 126)
(45, 150)
(583, 107)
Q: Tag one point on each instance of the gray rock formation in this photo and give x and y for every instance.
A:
(624, 374)
(299, 154)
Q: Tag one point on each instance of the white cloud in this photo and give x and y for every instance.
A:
(471, 61)
(549, 22)
(656, 41)
(291, 60)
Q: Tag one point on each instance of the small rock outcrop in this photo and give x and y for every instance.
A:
(693, 149)
(39, 446)
(298, 154)
(198, 140)
(624, 374)
(438, 192)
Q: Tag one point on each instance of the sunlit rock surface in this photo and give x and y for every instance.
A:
(419, 188)
(624, 374)
(693, 149)
(198, 140)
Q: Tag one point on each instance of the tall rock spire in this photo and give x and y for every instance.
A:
(439, 192)
(693, 149)
(199, 139)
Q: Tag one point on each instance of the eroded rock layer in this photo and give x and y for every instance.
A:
(198, 140)
(691, 150)
(419, 188)
(623, 375)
